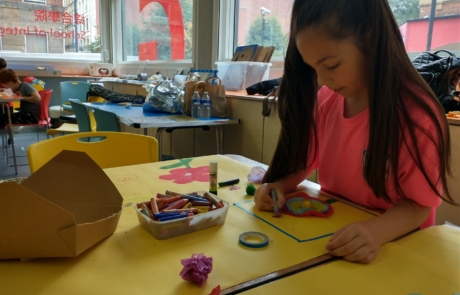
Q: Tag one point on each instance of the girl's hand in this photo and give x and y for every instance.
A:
(262, 197)
(355, 242)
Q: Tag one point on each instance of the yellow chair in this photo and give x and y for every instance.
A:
(96, 99)
(85, 120)
(113, 149)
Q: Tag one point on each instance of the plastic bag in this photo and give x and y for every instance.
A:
(164, 98)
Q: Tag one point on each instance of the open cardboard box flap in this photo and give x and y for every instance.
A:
(61, 210)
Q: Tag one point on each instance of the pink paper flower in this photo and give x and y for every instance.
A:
(187, 175)
(196, 269)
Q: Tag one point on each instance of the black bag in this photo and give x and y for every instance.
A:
(263, 87)
(112, 96)
(440, 72)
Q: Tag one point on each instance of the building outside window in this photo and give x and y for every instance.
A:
(157, 30)
(266, 22)
(54, 27)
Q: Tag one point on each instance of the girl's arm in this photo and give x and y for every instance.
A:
(35, 97)
(262, 196)
(361, 241)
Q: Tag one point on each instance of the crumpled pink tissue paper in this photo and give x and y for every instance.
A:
(196, 269)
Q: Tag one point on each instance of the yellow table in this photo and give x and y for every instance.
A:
(131, 261)
(425, 263)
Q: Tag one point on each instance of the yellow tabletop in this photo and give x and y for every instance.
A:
(424, 263)
(131, 261)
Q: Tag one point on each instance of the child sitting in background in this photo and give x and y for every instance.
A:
(29, 112)
(3, 64)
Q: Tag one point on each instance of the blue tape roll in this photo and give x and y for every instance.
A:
(247, 239)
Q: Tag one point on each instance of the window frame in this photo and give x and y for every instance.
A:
(35, 1)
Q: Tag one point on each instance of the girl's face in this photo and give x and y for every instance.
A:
(339, 65)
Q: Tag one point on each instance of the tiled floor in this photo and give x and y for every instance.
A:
(23, 138)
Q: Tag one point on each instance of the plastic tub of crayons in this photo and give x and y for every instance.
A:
(173, 214)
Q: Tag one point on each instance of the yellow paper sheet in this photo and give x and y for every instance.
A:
(424, 263)
(304, 229)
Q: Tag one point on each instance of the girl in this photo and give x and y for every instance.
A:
(30, 104)
(374, 130)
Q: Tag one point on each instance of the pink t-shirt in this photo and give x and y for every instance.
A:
(342, 146)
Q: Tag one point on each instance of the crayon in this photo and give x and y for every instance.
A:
(147, 203)
(201, 207)
(229, 182)
(188, 205)
(193, 198)
(178, 204)
(162, 214)
(146, 211)
(199, 203)
(212, 200)
(167, 200)
(190, 210)
(154, 206)
(171, 193)
(200, 211)
(175, 217)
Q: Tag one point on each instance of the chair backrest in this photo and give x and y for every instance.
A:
(45, 97)
(82, 115)
(93, 98)
(106, 121)
(110, 151)
(74, 89)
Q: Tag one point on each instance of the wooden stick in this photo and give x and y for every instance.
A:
(276, 275)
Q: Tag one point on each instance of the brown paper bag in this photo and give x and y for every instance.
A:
(217, 94)
(190, 88)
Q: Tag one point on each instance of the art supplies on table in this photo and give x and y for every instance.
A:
(173, 214)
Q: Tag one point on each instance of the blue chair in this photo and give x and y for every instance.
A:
(85, 119)
(69, 89)
(106, 121)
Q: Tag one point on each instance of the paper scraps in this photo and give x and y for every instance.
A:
(196, 269)
(256, 174)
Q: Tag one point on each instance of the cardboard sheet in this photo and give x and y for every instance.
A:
(61, 210)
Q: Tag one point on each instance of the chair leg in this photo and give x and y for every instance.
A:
(4, 146)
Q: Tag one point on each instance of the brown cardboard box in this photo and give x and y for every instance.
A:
(61, 210)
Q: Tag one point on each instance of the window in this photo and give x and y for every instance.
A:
(162, 31)
(413, 17)
(266, 22)
(57, 29)
(35, 43)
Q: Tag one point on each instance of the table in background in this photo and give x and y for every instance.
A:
(131, 261)
(135, 116)
(5, 100)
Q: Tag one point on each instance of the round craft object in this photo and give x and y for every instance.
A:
(253, 239)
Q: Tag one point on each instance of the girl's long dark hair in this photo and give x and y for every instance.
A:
(390, 74)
